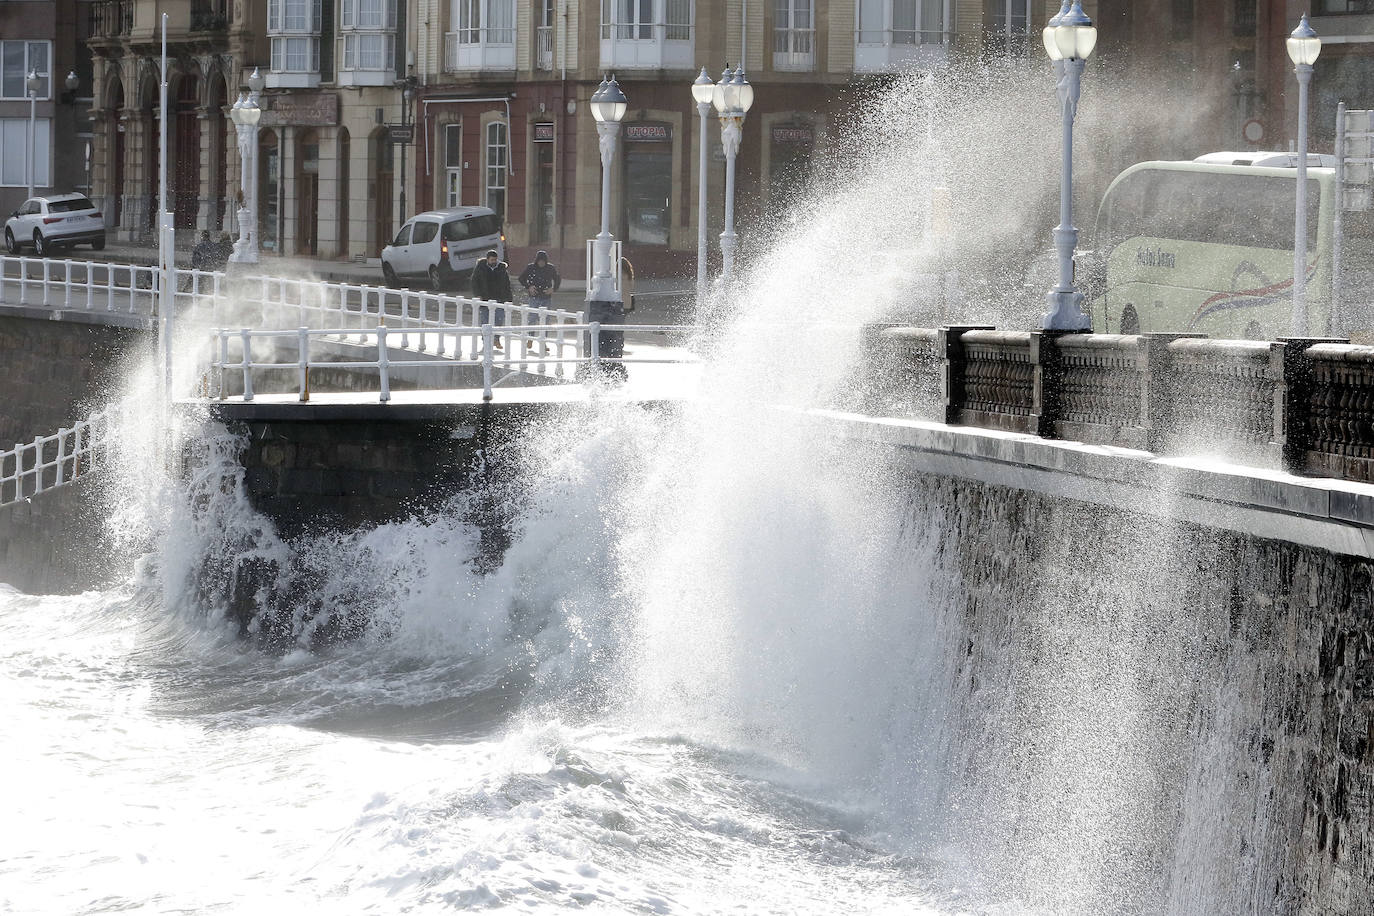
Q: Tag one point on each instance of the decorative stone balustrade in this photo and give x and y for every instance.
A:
(1303, 404)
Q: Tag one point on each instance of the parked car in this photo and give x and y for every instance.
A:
(440, 247)
(57, 221)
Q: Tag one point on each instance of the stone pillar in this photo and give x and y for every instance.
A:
(206, 209)
(134, 207)
(327, 222)
(288, 154)
(951, 347)
(361, 175)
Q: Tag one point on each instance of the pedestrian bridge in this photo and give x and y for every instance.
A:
(273, 340)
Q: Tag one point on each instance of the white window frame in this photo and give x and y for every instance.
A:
(482, 36)
(497, 172)
(351, 16)
(1021, 8)
(383, 53)
(794, 46)
(12, 157)
(881, 27)
(293, 28)
(45, 74)
(663, 40)
(453, 163)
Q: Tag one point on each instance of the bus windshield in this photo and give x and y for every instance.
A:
(1252, 211)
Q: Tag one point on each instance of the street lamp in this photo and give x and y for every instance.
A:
(1069, 38)
(732, 97)
(33, 84)
(245, 115)
(702, 91)
(608, 105)
(1303, 48)
(407, 96)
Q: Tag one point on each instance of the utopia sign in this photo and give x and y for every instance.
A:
(307, 109)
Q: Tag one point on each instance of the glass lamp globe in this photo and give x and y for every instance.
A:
(1303, 44)
(34, 82)
(1074, 34)
(703, 90)
(1047, 34)
(718, 94)
(609, 103)
(744, 93)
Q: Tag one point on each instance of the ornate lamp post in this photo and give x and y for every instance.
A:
(1069, 38)
(732, 97)
(1303, 48)
(608, 107)
(246, 114)
(702, 91)
(33, 84)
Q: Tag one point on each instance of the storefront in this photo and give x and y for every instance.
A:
(647, 216)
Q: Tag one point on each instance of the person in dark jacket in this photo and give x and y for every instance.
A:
(540, 279)
(491, 281)
(205, 256)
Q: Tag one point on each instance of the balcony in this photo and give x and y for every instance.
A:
(877, 50)
(209, 16)
(112, 18)
(794, 49)
(543, 58)
(656, 46)
(469, 50)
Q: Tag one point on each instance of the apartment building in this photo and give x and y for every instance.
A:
(372, 104)
(42, 38)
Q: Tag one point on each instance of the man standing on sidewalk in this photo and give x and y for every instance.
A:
(541, 280)
(491, 281)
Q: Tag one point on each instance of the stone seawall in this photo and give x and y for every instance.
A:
(54, 373)
(1151, 715)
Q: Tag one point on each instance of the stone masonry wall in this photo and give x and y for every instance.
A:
(1150, 716)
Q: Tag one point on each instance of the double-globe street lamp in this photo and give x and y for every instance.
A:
(1303, 48)
(246, 114)
(33, 84)
(1069, 39)
(732, 97)
(604, 304)
(703, 91)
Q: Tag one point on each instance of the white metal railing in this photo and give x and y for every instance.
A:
(86, 286)
(49, 462)
(544, 47)
(794, 49)
(489, 347)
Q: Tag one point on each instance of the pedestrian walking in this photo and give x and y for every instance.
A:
(205, 254)
(491, 282)
(540, 280)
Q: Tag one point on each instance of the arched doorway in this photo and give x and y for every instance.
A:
(344, 190)
(269, 191)
(186, 167)
(384, 172)
(307, 192)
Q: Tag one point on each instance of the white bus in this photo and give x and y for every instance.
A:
(1207, 247)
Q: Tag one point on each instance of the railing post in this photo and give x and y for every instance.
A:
(1154, 363)
(246, 336)
(37, 465)
(488, 339)
(303, 361)
(67, 283)
(383, 360)
(423, 297)
(405, 319)
(950, 344)
(223, 359)
(1292, 370)
(61, 456)
(47, 282)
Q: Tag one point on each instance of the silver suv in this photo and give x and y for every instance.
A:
(440, 247)
(56, 221)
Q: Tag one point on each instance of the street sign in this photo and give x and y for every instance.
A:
(401, 133)
(1357, 154)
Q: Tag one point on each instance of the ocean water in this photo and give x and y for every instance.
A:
(708, 675)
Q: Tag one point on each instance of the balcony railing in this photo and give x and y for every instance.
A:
(646, 46)
(794, 49)
(544, 47)
(890, 49)
(112, 18)
(479, 49)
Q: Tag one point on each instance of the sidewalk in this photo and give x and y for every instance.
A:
(659, 301)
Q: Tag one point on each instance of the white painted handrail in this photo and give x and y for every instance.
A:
(49, 462)
(84, 286)
(490, 347)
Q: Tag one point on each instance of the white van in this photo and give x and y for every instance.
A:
(441, 247)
